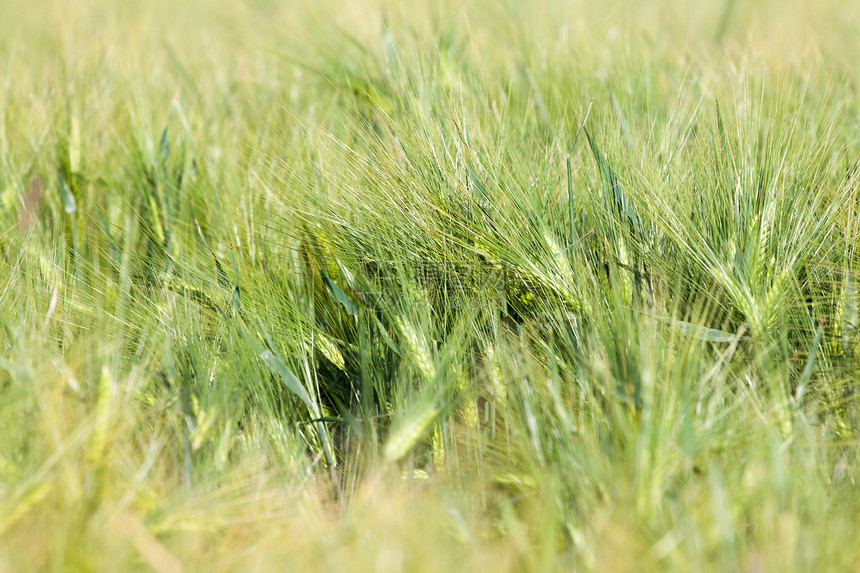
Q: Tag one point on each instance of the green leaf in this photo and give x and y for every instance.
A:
(237, 296)
(290, 380)
(574, 238)
(700, 332)
(622, 202)
(164, 145)
(223, 279)
(68, 198)
(341, 296)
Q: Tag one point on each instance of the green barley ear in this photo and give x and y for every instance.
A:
(418, 347)
(413, 427)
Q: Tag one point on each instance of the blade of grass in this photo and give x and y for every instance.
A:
(574, 238)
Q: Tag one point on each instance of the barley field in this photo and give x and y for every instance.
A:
(429, 286)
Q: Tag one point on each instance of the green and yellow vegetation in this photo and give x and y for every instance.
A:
(380, 286)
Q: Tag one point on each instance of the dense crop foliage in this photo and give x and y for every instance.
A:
(375, 286)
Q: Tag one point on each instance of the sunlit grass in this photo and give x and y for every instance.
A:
(496, 286)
